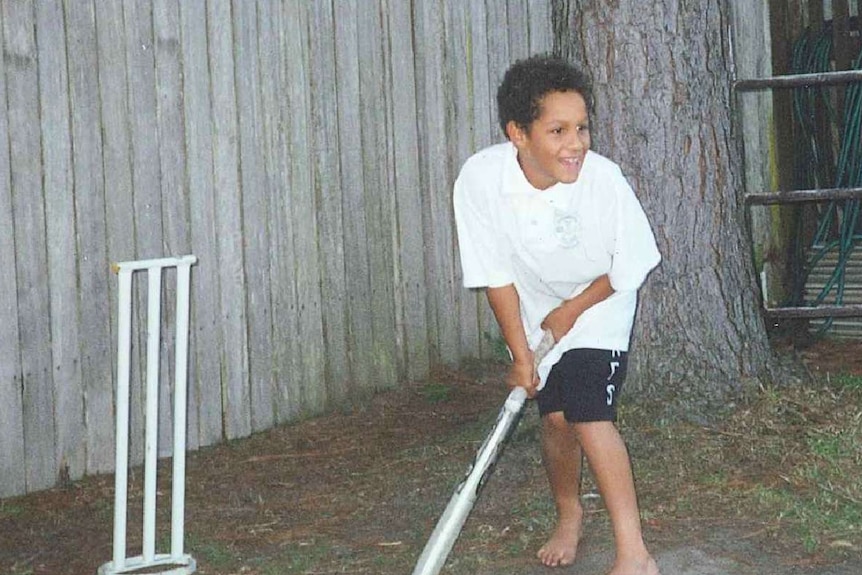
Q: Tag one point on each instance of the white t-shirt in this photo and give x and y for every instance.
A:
(552, 244)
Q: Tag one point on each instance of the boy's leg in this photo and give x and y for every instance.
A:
(561, 454)
(609, 461)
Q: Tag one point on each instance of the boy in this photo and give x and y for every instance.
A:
(557, 238)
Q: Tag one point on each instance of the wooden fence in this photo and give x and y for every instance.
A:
(303, 150)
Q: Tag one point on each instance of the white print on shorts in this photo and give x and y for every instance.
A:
(613, 365)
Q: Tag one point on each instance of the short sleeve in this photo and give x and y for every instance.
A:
(634, 249)
(481, 243)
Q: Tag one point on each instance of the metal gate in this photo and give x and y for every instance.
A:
(829, 311)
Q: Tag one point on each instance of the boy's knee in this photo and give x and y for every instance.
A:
(594, 429)
(555, 424)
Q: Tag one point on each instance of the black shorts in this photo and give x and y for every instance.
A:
(584, 385)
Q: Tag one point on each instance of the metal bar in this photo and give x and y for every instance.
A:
(814, 311)
(154, 310)
(154, 263)
(121, 461)
(178, 481)
(793, 196)
(799, 80)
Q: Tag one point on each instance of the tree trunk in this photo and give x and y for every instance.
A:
(662, 76)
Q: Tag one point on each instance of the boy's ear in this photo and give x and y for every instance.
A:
(516, 134)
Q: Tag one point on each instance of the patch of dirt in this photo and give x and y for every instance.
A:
(360, 491)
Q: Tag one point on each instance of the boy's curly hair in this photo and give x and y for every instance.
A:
(527, 81)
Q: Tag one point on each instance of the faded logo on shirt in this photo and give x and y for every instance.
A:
(566, 228)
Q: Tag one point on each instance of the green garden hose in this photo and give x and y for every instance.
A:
(838, 220)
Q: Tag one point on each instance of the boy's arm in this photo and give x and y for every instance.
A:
(506, 306)
(562, 318)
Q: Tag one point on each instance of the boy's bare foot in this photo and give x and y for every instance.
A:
(634, 566)
(561, 548)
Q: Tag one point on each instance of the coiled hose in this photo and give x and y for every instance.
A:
(837, 220)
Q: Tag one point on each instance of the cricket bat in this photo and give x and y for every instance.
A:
(450, 523)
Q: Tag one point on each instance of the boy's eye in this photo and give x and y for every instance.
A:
(583, 128)
(556, 130)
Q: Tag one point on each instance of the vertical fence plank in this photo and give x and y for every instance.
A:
(460, 121)
(304, 203)
(498, 42)
(491, 60)
(379, 210)
(422, 51)
(518, 27)
(169, 117)
(60, 227)
(119, 205)
(255, 214)
(34, 329)
(394, 277)
(92, 255)
(232, 316)
(352, 173)
(404, 164)
(541, 26)
(147, 197)
(205, 338)
(754, 113)
(143, 125)
(486, 131)
(171, 190)
(12, 476)
(285, 364)
(324, 133)
(439, 233)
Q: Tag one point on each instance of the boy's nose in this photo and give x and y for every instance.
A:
(576, 143)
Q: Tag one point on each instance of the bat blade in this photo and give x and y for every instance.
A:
(449, 525)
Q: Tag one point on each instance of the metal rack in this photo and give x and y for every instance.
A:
(797, 196)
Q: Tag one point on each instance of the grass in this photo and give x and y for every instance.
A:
(299, 558)
(9, 509)
(788, 463)
(435, 392)
(21, 570)
(785, 465)
(792, 458)
(497, 344)
(215, 554)
(847, 381)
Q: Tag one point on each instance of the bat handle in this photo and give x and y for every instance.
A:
(516, 399)
(518, 395)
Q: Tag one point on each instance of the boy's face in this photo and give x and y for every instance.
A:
(552, 149)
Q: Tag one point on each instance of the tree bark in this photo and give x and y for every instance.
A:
(662, 76)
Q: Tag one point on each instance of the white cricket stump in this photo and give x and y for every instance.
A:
(177, 562)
